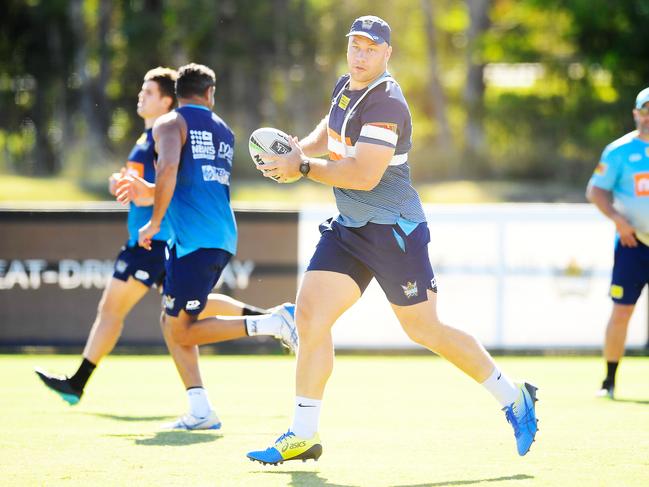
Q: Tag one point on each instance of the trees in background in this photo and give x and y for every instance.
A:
(527, 89)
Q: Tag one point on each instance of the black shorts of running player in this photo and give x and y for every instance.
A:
(190, 279)
(146, 266)
(396, 255)
(630, 273)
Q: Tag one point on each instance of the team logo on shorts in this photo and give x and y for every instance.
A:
(433, 284)
(168, 302)
(120, 266)
(141, 275)
(193, 305)
(617, 292)
(410, 289)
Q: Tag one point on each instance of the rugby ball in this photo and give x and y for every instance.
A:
(268, 140)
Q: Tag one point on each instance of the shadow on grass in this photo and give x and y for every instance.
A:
(171, 438)
(308, 479)
(469, 482)
(304, 479)
(632, 401)
(118, 417)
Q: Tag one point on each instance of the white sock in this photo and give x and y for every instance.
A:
(199, 403)
(306, 417)
(263, 325)
(501, 387)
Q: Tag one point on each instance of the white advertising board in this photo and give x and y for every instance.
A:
(518, 276)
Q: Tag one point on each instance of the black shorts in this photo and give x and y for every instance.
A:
(397, 255)
(190, 279)
(146, 266)
(630, 273)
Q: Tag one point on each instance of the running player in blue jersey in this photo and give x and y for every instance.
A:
(195, 149)
(137, 269)
(619, 188)
(381, 232)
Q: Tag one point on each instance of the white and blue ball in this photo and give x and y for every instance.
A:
(268, 140)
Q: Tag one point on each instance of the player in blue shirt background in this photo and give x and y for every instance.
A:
(619, 188)
(137, 269)
(195, 149)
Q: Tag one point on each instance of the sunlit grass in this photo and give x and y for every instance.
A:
(22, 189)
(264, 192)
(386, 421)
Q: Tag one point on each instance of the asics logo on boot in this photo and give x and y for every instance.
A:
(298, 444)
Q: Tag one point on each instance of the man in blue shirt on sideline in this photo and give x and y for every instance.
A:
(619, 188)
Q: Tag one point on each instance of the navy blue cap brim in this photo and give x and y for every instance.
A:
(377, 39)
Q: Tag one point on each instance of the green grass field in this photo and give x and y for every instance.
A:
(387, 421)
(262, 192)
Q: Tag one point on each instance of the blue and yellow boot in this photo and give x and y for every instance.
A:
(288, 447)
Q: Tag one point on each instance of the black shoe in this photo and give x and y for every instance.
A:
(60, 385)
(607, 390)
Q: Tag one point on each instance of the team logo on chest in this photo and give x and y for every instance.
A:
(410, 289)
(344, 101)
(641, 183)
(202, 144)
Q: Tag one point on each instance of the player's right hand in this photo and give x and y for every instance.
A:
(626, 232)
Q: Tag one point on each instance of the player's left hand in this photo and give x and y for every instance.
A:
(146, 233)
(134, 189)
(283, 168)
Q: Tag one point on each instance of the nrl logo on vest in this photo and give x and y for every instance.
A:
(410, 289)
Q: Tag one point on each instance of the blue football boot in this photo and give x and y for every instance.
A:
(521, 414)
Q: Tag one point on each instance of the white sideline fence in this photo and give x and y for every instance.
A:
(517, 276)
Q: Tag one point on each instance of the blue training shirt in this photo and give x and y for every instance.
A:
(377, 114)
(141, 162)
(199, 212)
(624, 171)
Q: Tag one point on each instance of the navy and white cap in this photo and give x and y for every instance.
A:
(642, 98)
(372, 27)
